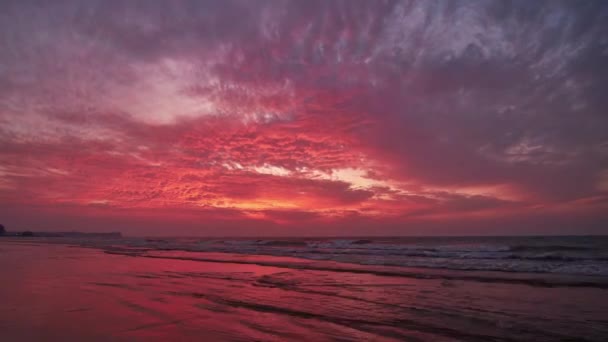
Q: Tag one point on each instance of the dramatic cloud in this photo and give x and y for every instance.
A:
(305, 117)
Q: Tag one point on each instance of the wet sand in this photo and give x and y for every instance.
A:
(57, 292)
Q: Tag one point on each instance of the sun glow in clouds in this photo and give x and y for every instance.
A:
(374, 116)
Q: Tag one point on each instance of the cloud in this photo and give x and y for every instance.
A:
(325, 111)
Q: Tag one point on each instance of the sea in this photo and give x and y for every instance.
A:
(569, 255)
(533, 288)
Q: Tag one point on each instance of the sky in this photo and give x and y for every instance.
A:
(304, 117)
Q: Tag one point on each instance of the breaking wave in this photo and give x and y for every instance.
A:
(562, 255)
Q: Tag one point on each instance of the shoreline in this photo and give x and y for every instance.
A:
(537, 279)
(123, 297)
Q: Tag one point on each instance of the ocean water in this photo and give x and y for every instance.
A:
(570, 255)
(304, 289)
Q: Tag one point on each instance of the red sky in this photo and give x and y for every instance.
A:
(304, 118)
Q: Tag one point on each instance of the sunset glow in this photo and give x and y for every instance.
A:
(302, 118)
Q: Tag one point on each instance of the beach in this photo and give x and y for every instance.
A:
(57, 291)
(301, 170)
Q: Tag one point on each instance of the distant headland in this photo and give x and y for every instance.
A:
(28, 233)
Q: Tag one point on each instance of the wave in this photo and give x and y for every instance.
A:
(362, 242)
(529, 248)
(464, 255)
(283, 243)
(488, 277)
(557, 257)
(562, 256)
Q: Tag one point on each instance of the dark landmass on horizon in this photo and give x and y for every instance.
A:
(71, 234)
